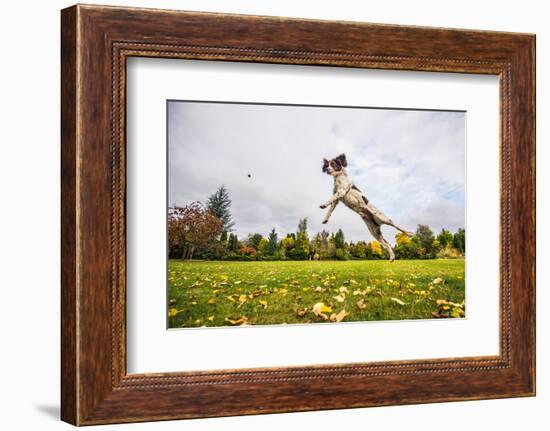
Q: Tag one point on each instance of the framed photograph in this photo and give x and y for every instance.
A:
(264, 214)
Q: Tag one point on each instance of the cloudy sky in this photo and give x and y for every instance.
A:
(410, 164)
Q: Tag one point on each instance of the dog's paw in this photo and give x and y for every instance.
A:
(322, 206)
(325, 221)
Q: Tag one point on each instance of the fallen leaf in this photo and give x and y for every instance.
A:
(172, 312)
(438, 280)
(340, 298)
(240, 321)
(301, 313)
(361, 304)
(263, 302)
(343, 289)
(320, 309)
(398, 301)
(338, 317)
(457, 312)
(319, 289)
(212, 301)
(211, 318)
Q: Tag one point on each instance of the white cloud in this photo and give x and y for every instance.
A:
(410, 164)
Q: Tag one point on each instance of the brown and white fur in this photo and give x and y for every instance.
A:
(345, 191)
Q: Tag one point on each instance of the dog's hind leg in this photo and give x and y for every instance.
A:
(376, 232)
(387, 246)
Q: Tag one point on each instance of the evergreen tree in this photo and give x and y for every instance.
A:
(271, 243)
(219, 205)
(459, 240)
(339, 240)
(233, 243)
(301, 251)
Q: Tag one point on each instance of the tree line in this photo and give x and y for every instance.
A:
(197, 231)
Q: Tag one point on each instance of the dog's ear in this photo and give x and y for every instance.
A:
(342, 160)
(325, 165)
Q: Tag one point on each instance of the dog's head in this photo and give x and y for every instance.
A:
(335, 166)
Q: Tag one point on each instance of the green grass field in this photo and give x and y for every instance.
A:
(205, 293)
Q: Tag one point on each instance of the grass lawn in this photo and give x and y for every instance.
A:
(217, 293)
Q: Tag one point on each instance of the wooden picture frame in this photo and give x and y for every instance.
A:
(95, 43)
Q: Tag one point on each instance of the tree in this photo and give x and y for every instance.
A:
(408, 248)
(376, 249)
(254, 240)
(339, 240)
(426, 237)
(301, 249)
(271, 243)
(445, 238)
(248, 251)
(233, 243)
(191, 227)
(361, 250)
(219, 204)
(223, 237)
(459, 240)
(323, 244)
(401, 239)
(262, 246)
(302, 226)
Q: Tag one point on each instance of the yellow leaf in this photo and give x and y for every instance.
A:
(343, 289)
(438, 280)
(211, 318)
(319, 289)
(361, 304)
(398, 301)
(231, 298)
(357, 292)
(320, 309)
(172, 312)
(243, 298)
(212, 301)
(263, 302)
(457, 312)
(338, 317)
(445, 302)
(240, 321)
(224, 277)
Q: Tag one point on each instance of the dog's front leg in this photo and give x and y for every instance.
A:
(335, 198)
(329, 212)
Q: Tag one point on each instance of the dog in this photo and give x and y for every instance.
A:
(345, 191)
